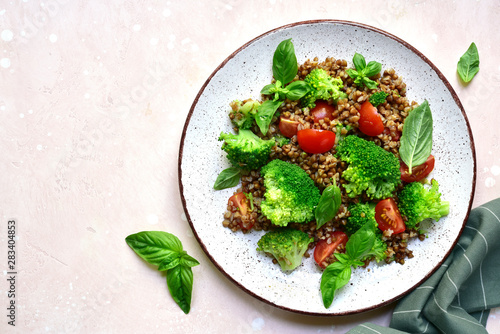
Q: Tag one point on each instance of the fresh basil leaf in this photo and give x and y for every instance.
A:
(364, 71)
(357, 263)
(165, 250)
(176, 259)
(154, 246)
(359, 62)
(335, 276)
(352, 73)
(180, 285)
(361, 242)
(275, 89)
(416, 139)
(297, 90)
(171, 260)
(328, 206)
(343, 258)
(228, 178)
(268, 89)
(372, 68)
(265, 113)
(369, 83)
(285, 65)
(187, 260)
(468, 65)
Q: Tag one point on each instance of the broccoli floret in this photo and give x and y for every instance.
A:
(418, 202)
(290, 196)
(281, 140)
(378, 98)
(371, 169)
(246, 150)
(286, 245)
(243, 115)
(360, 214)
(323, 87)
(341, 131)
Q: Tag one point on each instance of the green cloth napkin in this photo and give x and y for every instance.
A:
(457, 298)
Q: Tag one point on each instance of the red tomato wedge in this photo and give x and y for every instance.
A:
(388, 217)
(240, 202)
(322, 110)
(324, 250)
(315, 141)
(418, 172)
(370, 122)
(288, 127)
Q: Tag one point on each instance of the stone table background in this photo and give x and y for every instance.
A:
(93, 99)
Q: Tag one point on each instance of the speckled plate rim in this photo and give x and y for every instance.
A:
(347, 23)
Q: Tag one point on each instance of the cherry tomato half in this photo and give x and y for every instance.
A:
(239, 202)
(322, 110)
(370, 122)
(324, 250)
(388, 217)
(418, 172)
(288, 127)
(315, 141)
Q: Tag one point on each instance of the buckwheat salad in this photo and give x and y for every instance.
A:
(331, 161)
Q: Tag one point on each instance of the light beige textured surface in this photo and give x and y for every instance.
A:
(93, 98)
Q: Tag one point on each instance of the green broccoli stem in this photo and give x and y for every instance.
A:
(444, 208)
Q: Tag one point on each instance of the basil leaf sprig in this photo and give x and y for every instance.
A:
(285, 69)
(228, 178)
(293, 91)
(329, 204)
(416, 139)
(468, 65)
(364, 71)
(338, 274)
(285, 65)
(165, 250)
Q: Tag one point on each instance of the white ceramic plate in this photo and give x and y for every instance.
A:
(241, 76)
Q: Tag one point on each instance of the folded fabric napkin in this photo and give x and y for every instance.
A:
(457, 298)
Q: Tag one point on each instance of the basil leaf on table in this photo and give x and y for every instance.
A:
(165, 250)
(172, 259)
(416, 140)
(187, 260)
(468, 65)
(154, 246)
(335, 276)
(180, 285)
(328, 206)
(228, 178)
(265, 113)
(285, 65)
